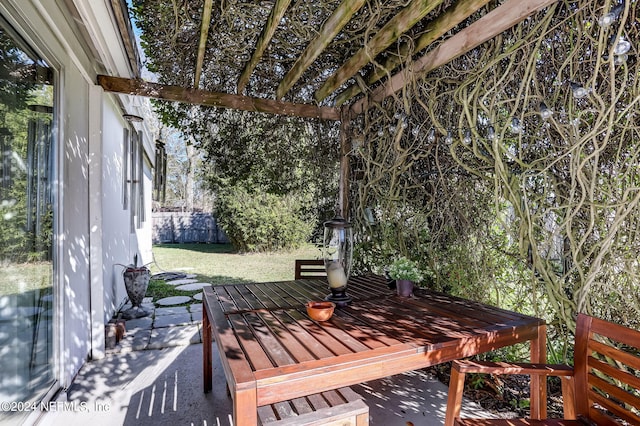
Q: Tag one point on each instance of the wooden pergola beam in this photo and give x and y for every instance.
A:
(389, 33)
(139, 87)
(202, 44)
(455, 14)
(269, 29)
(331, 27)
(121, 15)
(490, 25)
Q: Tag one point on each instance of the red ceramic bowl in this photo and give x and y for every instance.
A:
(320, 311)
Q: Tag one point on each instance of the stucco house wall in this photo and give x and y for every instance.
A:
(79, 39)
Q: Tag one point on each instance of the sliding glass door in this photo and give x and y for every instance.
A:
(26, 227)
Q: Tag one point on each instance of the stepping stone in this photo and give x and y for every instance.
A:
(182, 281)
(168, 276)
(147, 303)
(196, 317)
(171, 310)
(138, 324)
(172, 320)
(192, 287)
(197, 296)
(196, 307)
(173, 300)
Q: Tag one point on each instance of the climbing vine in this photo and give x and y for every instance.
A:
(512, 173)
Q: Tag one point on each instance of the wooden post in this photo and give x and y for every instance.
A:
(345, 167)
(207, 357)
(454, 399)
(539, 381)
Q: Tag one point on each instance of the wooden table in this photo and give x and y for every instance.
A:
(271, 351)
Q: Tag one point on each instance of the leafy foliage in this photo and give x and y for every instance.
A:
(277, 155)
(17, 75)
(259, 221)
(171, 31)
(405, 269)
(538, 214)
(26, 215)
(503, 204)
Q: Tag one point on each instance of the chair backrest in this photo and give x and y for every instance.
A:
(607, 372)
(310, 268)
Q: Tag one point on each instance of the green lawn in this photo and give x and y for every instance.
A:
(218, 263)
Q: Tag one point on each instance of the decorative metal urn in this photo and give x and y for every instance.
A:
(337, 253)
(136, 281)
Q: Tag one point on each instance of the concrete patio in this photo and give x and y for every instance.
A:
(154, 376)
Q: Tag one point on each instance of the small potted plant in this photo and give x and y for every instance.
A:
(406, 272)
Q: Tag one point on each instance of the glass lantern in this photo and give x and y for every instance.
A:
(337, 253)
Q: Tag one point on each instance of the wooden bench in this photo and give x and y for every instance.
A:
(603, 387)
(342, 407)
(310, 268)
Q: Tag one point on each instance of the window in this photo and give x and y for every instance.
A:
(27, 158)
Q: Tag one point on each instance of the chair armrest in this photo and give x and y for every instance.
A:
(460, 368)
(512, 368)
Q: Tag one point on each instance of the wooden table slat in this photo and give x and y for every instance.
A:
(252, 300)
(343, 335)
(310, 290)
(427, 321)
(239, 301)
(319, 333)
(469, 306)
(264, 295)
(379, 316)
(333, 397)
(225, 300)
(258, 359)
(280, 297)
(273, 353)
(317, 401)
(297, 351)
(370, 336)
(302, 405)
(240, 379)
(305, 338)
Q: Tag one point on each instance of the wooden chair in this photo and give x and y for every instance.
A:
(310, 268)
(601, 389)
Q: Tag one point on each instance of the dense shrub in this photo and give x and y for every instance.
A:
(259, 221)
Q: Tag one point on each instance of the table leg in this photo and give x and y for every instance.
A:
(245, 407)
(539, 382)
(207, 364)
